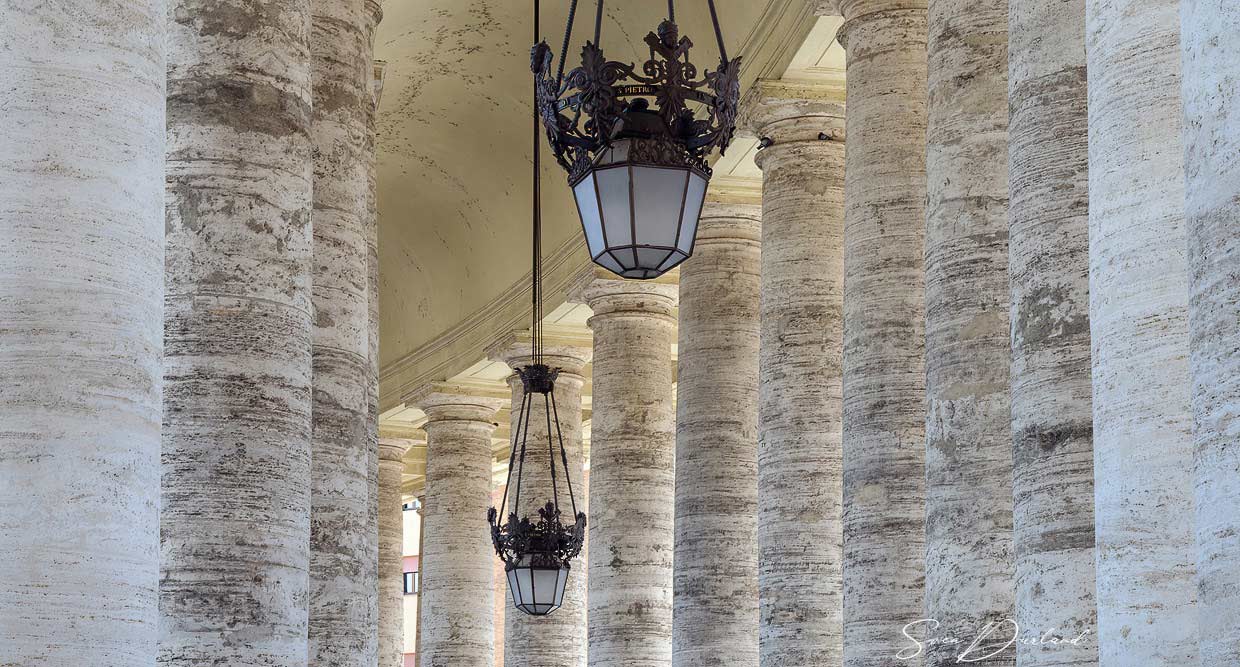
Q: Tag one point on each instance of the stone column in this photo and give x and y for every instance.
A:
(1211, 61)
(391, 553)
(343, 585)
(969, 564)
(557, 640)
(715, 583)
(81, 289)
(1143, 450)
(632, 497)
(884, 378)
(372, 13)
(502, 600)
(1051, 395)
(235, 523)
(457, 619)
(800, 477)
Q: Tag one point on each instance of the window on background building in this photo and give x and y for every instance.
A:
(412, 581)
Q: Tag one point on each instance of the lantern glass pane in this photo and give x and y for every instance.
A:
(671, 262)
(587, 207)
(693, 210)
(546, 587)
(613, 188)
(608, 262)
(651, 258)
(560, 586)
(658, 195)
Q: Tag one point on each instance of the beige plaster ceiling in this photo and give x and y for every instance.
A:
(454, 145)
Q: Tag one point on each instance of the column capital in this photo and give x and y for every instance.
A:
(393, 449)
(374, 14)
(860, 12)
(570, 359)
(615, 296)
(730, 221)
(447, 403)
(784, 112)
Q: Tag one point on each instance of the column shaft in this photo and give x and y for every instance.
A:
(715, 583)
(884, 295)
(632, 495)
(457, 621)
(969, 564)
(1143, 452)
(81, 289)
(235, 524)
(342, 583)
(557, 640)
(800, 478)
(1211, 60)
(391, 588)
(1051, 395)
(373, 14)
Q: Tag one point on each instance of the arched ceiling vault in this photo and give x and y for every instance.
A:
(454, 148)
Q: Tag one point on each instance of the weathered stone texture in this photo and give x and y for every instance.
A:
(343, 584)
(1052, 416)
(800, 478)
(557, 640)
(1211, 98)
(884, 296)
(1143, 452)
(236, 449)
(969, 563)
(716, 561)
(373, 14)
(81, 289)
(391, 588)
(457, 616)
(633, 442)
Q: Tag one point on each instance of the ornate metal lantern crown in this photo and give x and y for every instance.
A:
(636, 143)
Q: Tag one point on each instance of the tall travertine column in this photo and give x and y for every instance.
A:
(391, 553)
(81, 288)
(502, 599)
(969, 563)
(1048, 262)
(633, 442)
(1143, 449)
(1211, 93)
(235, 524)
(557, 640)
(373, 14)
(343, 585)
(884, 378)
(800, 476)
(457, 617)
(715, 583)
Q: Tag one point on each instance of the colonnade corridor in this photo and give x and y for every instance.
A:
(951, 377)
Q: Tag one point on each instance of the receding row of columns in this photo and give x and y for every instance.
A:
(1029, 243)
(966, 388)
(188, 296)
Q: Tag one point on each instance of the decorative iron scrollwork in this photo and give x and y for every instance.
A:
(585, 111)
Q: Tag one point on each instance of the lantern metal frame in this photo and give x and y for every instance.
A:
(546, 543)
(588, 110)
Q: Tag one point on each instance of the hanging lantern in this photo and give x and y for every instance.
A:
(639, 174)
(537, 552)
